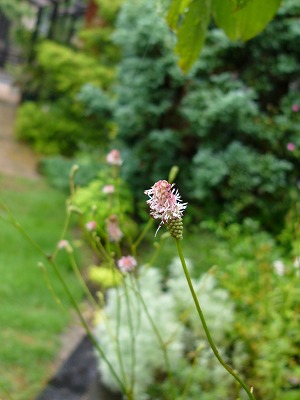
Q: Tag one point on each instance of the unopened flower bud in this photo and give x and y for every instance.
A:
(175, 227)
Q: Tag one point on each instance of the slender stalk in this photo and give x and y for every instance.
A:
(205, 327)
(132, 333)
(119, 353)
(82, 281)
(162, 344)
(141, 236)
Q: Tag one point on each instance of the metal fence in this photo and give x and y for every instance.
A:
(4, 38)
(51, 19)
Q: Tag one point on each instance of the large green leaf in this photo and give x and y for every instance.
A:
(176, 9)
(191, 32)
(245, 22)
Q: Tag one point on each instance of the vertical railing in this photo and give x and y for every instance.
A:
(4, 38)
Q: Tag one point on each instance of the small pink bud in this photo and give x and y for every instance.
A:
(108, 189)
(112, 226)
(64, 244)
(91, 225)
(290, 146)
(127, 264)
(114, 158)
(295, 107)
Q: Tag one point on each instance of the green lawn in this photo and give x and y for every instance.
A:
(30, 319)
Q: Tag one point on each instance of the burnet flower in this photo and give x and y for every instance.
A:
(114, 157)
(127, 264)
(113, 229)
(91, 226)
(166, 204)
(108, 189)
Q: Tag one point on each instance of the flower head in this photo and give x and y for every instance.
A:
(165, 203)
(108, 189)
(295, 107)
(127, 264)
(114, 158)
(112, 226)
(290, 146)
(91, 225)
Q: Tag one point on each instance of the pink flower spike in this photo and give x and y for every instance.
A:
(165, 202)
(108, 189)
(295, 107)
(91, 225)
(127, 264)
(114, 158)
(290, 146)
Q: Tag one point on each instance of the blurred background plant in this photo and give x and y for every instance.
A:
(235, 155)
(231, 125)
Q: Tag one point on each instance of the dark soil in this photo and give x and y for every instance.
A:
(78, 378)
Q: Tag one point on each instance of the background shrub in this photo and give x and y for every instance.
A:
(226, 124)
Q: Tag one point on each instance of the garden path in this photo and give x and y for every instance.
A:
(16, 159)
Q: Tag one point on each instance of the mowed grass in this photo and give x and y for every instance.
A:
(30, 318)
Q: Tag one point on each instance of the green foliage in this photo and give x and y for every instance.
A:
(109, 10)
(192, 30)
(60, 127)
(267, 299)
(98, 43)
(226, 125)
(73, 111)
(57, 170)
(244, 21)
(104, 277)
(64, 71)
(239, 19)
(94, 204)
(68, 124)
(49, 135)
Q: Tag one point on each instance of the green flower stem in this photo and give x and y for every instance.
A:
(162, 344)
(133, 341)
(205, 327)
(82, 281)
(141, 236)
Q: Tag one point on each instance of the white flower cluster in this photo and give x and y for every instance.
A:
(125, 326)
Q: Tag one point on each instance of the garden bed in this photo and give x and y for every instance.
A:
(78, 378)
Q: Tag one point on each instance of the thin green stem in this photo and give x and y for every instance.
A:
(119, 354)
(205, 327)
(132, 333)
(156, 332)
(141, 236)
(82, 281)
(63, 233)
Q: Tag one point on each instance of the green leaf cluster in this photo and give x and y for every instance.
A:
(240, 20)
